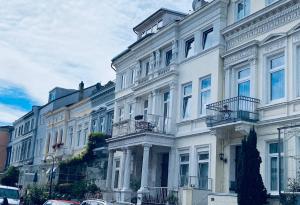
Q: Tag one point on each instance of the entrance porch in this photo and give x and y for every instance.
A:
(138, 168)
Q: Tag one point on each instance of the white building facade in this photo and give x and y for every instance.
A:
(189, 91)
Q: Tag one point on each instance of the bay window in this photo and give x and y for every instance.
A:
(205, 94)
(207, 39)
(184, 170)
(166, 109)
(277, 77)
(186, 101)
(243, 82)
(190, 47)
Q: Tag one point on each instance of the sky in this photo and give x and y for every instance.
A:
(49, 43)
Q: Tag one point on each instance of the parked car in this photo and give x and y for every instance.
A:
(11, 193)
(60, 202)
(95, 202)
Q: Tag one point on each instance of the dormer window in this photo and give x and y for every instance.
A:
(189, 47)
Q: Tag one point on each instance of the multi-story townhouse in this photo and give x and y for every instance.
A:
(103, 109)
(22, 142)
(188, 92)
(5, 150)
(65, 124)
(261, 69)
(164, 82)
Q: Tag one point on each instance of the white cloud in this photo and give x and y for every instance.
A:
(9, 114)
(48, 43)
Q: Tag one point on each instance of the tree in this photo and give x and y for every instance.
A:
(250, 187)
(11, 177)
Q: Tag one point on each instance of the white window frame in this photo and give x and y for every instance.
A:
(166, 52)
(121, 114)
(270, 71)
(123, 81)
(78, 136)
(101, 124)
(130, 111)
(184, 163)
(145, 109)
(193, 49)
(115, 168)
(268, 175)
(297, 70)
(243, 80)
(246, 9)
(70, 136)
(132, 76)
(185, 117)
(203, 90)
(204, 45)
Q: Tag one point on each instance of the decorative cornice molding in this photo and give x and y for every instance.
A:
(261, 24)
(246, 54)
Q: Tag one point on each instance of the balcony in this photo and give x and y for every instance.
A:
(155, 74)
(232, 110)
(141, 123)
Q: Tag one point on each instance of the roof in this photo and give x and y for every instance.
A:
(158, 12)
(129, 47)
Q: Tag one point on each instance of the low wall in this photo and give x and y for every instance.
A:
(222, 199)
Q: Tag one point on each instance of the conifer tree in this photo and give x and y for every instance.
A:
(250, 187)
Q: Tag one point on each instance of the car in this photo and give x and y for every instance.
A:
(95, 202)
(61, 202)
(11, 193)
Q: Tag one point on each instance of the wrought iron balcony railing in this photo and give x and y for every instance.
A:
(141, 123)
(240, 108)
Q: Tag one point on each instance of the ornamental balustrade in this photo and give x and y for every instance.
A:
(240, 108)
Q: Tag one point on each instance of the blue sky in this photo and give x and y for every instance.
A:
(49, 43)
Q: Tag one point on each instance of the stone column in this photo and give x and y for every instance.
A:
(121, 182)
(109, 169)
(126, 183)
(171, 116)
(145, 170)
(171, 176)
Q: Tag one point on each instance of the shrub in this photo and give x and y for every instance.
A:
(11, 176)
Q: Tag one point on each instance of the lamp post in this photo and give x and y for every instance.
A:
(51, 176)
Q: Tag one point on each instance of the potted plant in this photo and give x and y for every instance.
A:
(172, 199)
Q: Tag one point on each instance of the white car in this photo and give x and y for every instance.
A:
(95, 202)
(11, 193)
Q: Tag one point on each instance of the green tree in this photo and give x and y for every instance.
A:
(250, 187)
(11, 177)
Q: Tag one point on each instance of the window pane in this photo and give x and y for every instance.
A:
(203, 156)
(184, 158)
(240, 11)
(207, 40)
(274, 173)
(277, 62)
(277, 85)
(205, 99)
(205, 83)
(203, 175)
(273, 148)
(184, 174)
(244, 89)
(244, 73)
(189, 48)
(186, 106)
(168, 57)
(187, 90)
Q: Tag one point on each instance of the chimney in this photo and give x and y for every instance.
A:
(81, 89)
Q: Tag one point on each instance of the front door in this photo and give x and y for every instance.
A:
(164, 170)
(237, 155)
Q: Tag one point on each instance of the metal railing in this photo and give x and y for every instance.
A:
(202, 183)
(141, 123)
(160, 196)
(240, 108)
(155, 73)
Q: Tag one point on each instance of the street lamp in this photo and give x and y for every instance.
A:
(51, 176)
